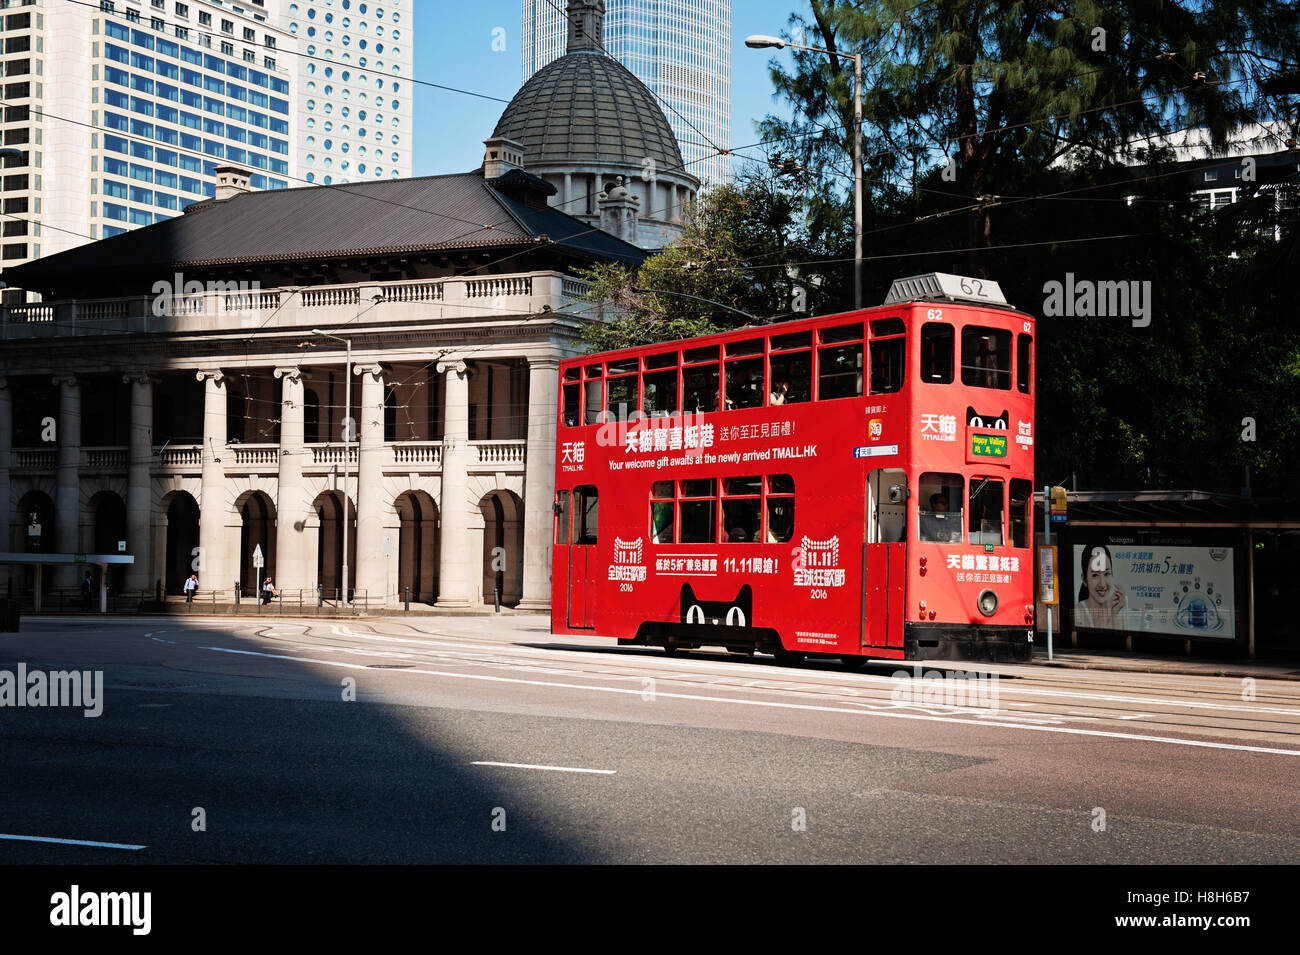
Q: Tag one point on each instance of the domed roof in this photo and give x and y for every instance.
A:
(588, 107)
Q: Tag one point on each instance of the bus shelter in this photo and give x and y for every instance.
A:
(1158, 570)
(40, 561)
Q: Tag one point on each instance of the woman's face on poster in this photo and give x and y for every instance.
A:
(1099, 587)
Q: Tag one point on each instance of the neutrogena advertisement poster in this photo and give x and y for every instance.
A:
(1181, 591)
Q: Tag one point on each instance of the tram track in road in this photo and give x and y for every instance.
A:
(1141, 706)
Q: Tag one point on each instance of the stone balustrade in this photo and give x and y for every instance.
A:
(425, 301)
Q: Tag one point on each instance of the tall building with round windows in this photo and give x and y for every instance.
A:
(680, 49)
(589, 127)
(354, 98)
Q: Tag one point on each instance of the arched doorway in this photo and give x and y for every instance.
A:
(417, 547)
(182, 537)
(257, 517)
(34, 525)
(503, 546)
(109, 512)
(329, 547)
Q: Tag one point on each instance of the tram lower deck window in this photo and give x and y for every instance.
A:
(986, 511)
(940, 507)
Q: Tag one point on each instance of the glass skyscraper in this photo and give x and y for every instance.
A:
(680, 49)
(122, 112)
(354, 102)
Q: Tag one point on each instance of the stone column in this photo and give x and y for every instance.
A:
(458, 564)
(214, 574)
(372, 571)
(539, 483)
(67, 496)
(290, 509)
(139, 489)
(6, 443)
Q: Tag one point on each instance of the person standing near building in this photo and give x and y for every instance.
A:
(87, 591)
(191, 585)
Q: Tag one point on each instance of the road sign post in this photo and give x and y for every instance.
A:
(258, 562)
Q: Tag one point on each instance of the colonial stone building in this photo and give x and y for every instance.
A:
(183, 388)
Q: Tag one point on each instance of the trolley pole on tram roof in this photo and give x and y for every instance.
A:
(760, 41)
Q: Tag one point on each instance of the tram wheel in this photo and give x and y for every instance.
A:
(788, 658)
(853, 662)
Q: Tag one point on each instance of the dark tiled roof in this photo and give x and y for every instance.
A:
(588, 107)
(316, 223)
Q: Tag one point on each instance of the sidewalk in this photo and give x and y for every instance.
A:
(1125, 661)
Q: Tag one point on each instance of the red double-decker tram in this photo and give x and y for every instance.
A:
(855, 485)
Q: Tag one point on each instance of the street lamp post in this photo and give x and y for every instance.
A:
(347, 446)
(759, 42)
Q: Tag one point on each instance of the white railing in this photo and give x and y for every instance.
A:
(34, 459)
(103, 459)
(428, 454)
(499, 287)
(180, 456)
(322, 297)
(98, 311)
(413, 292)
(454, 298)
(333, 454)
(264, 454)
(31, 314)
(500, 452)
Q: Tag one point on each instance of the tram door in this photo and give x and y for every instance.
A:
(884, 559)
(583, 567)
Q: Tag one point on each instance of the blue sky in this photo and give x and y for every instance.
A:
(454, 48)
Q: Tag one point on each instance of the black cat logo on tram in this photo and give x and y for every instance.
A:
(740, 458)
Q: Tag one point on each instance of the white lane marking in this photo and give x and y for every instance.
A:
(161, 640)
(71, 842)
(1138, 738)
(699, 667)
(553, 769)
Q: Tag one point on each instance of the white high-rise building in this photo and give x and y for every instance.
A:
(354, 99)
(123, 111)
(680, 49)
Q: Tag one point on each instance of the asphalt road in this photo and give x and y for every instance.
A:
(489, 740)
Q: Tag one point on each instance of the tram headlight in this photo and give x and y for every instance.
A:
(987, 602)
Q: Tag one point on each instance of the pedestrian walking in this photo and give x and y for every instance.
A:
(87, 591)
(268, 591)
(191, 585)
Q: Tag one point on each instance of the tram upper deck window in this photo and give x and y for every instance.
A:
(659, 387)
(593, 396)
(940, 507)
(1024, 373)
(986, 357)
(572, 393)
(790, 367)
(986, 511)
(622, 397)
(937, 339)
(745, 375)
(839, 367)
(700, 379)
(888, 349)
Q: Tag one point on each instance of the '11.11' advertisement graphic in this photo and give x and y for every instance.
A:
(1180, 591)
